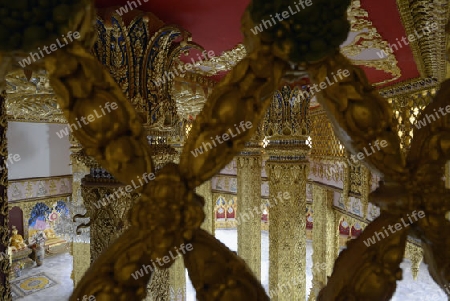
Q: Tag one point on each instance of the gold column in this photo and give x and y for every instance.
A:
(287, 126)
(287, 237)
(80, 251)
(346, 184)
(177, 280)
(109, 221)
(108, 214)
(337, 235)
(5, 288)
(249, 210)
(204, 190)
(324, 236)
(177, 272)
(274, 219)
(159, 286)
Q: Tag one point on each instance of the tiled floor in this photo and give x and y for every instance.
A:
(422, 289)
(59, 268)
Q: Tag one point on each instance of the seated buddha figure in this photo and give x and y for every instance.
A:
(17, 242)
(50, 233)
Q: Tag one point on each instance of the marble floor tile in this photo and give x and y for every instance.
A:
(58, 268)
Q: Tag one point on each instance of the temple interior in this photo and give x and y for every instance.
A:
(224, 150)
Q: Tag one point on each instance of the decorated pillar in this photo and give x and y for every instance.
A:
(286, 126)
(80, 249)
(287, 268)
(155, 49)
(177, 272)
(249, 204)
(359, 183)
(324, 236)
(204, 190)
(108, 202)
(5, 265)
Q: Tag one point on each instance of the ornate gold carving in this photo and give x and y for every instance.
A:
(225, 62)
(288, 115)
(158, 288)
(198, 79)
(287, 126)
(204, 190)
(415, 254)
(286, 234)
(190, 98)
(171, 191)
(32, 100)
(5, 289)
(409, 86)
(324, 141)
(400, 192)
(407, 109)
(177, 281)
(81, 253)
(249, 198)
(388, 65)
(329, 169)
(344, 102)
(140, 61)
(369, 38)
(107, 222)
(359, 185)
(80, 249)
(429, 50)
(360, 116)
(324, 239)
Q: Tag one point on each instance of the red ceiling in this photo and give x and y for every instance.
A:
(215, 24)
(386, 18)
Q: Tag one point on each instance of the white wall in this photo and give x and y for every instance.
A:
(42, 152)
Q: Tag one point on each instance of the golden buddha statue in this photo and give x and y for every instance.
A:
(17, 242)
(50, 233)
